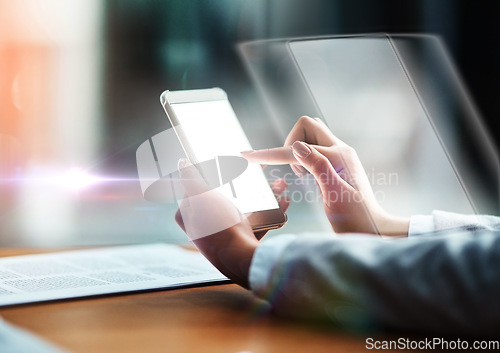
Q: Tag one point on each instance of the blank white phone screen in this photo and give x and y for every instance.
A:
(212, 129)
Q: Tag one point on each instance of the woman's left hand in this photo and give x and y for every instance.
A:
(217, 228)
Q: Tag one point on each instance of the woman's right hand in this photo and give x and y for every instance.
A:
(348, 198)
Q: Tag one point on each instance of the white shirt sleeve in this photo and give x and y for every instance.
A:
(441, 221)
(446, 283)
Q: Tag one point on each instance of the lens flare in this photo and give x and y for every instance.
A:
(77, 179)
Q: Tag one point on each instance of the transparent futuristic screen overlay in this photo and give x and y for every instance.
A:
(362, 90)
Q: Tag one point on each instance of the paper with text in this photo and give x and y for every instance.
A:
(79, 273)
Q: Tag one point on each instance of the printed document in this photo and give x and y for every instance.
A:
(79, 273)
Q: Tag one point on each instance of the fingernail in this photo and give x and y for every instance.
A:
(244, 153)
(182, 163)
(297, 171)
(301, 149)
(302, 170)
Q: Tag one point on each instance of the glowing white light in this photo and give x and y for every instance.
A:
(76, 179)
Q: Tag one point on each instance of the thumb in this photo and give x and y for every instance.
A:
(191, 179)
(318, 165)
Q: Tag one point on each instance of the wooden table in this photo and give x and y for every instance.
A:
(219, 318)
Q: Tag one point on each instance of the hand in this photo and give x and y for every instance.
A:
(347, 196)
(221, 233)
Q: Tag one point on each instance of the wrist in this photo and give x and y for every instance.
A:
(390, 225)
(230, 251)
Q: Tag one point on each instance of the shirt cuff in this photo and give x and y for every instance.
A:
(264, 260)
(420, 224)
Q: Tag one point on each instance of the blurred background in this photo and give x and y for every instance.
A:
(80, 82)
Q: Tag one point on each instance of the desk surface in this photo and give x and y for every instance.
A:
(220, 318)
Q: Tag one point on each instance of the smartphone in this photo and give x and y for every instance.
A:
(207, 127)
